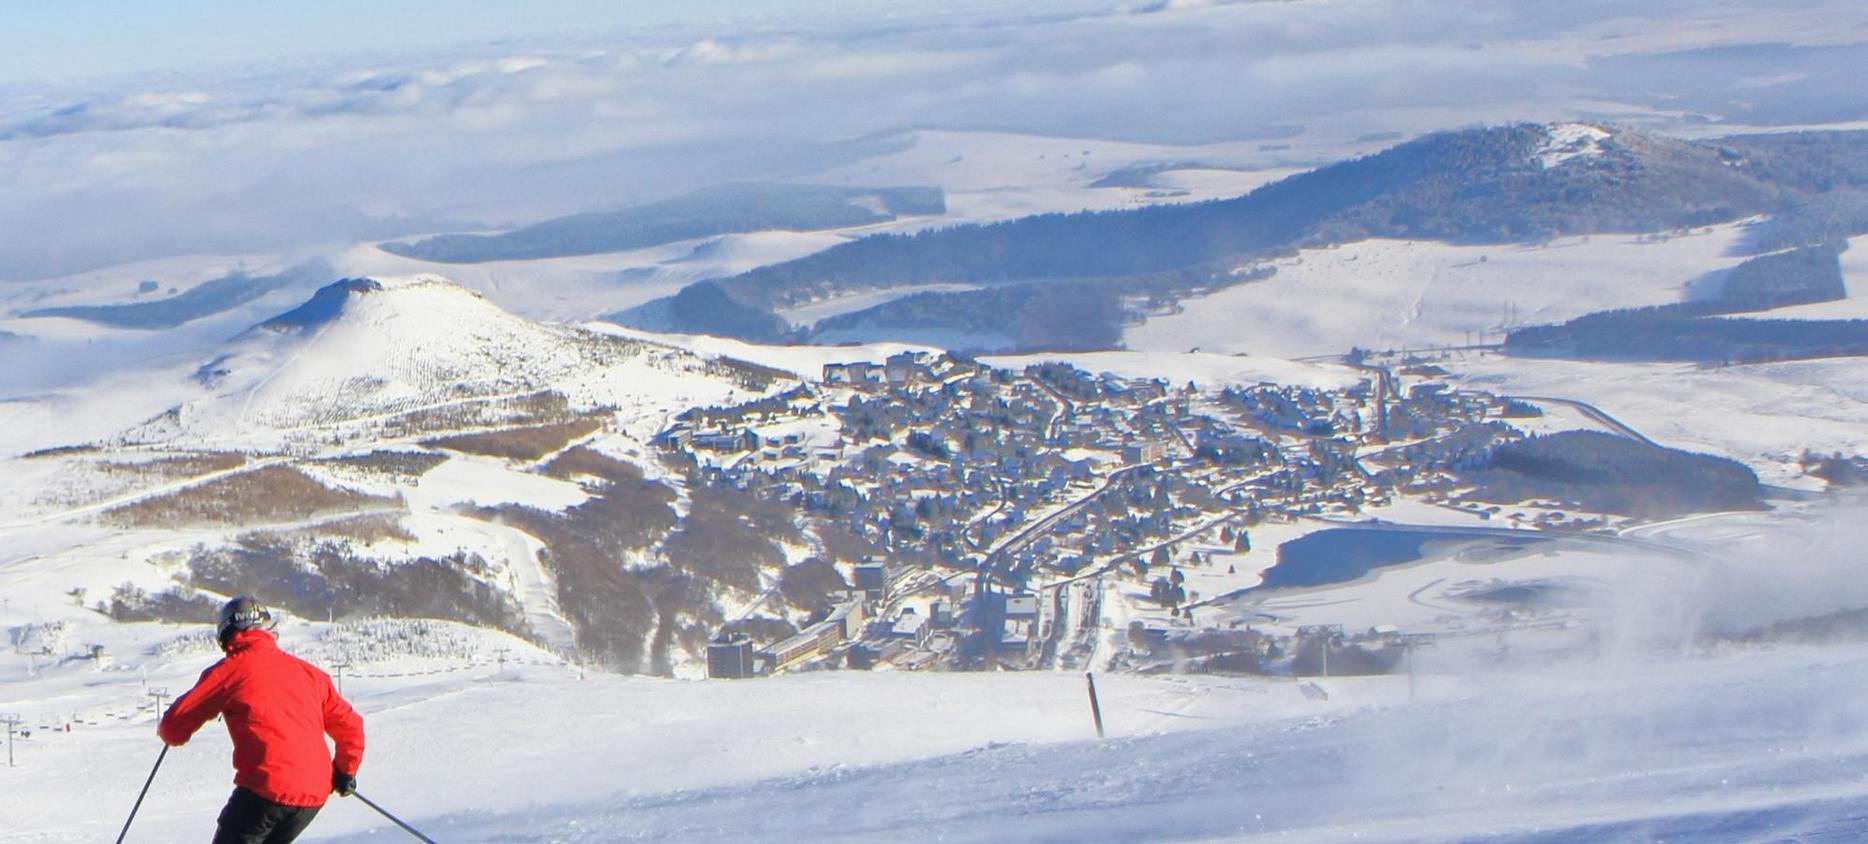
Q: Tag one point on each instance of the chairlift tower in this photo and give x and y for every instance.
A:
(1409, 642)
(1331, 636)
(12, 721)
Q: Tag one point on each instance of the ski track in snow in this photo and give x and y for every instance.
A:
(1765, 750)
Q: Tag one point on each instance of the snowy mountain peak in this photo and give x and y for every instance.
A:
(1567, 141)
(334, 299)
(323, 306)
(416, 353)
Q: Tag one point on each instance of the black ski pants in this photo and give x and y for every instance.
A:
(252, 819)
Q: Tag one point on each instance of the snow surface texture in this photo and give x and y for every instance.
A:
(475, 736)
(1567, 141)
(987, 176)
(365, 366)
(390, 347)
(1764, 415)
(1383, 294)
(1750, 748)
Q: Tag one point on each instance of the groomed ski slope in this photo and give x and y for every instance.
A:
(1762, 745)
(1753, 747)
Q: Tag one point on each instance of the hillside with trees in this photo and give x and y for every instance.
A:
(1699, 332)
(202, 300)
(1488, 185)
(1648, 336)
(1469, 186)
(1605, 473)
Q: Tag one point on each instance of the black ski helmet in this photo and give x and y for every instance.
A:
(244, 612)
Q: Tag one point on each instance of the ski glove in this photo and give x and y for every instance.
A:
(343, 783)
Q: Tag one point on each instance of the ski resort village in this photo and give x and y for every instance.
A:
(771, 421)
(918, 510)
(994, 512)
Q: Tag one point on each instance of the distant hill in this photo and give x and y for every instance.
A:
(1609, 474)
(1699, 331)
(1062, 316)
(1496, 185)
(1807, 162)
(1825, 218)
(1503, 184)
(727, 209)
(372, 385)
(202, 300)
(1800, 276)
(704, 308)
(1647, 336)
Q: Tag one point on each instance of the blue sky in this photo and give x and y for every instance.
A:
(80, 38)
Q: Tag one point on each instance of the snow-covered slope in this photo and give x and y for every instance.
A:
(1380, 294)
(1760, 747)
(1764, 415)
(366, 352)
(336, 426)
(581, 287)
(1762, 744)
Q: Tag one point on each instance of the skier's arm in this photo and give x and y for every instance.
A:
(345, 727)
(195, 707)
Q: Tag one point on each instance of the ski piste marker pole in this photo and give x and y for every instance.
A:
(144, 793)
(385, 813)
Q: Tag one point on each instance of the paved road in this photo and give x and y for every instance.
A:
(972, 527)
(1044, 525)
(1595, 414)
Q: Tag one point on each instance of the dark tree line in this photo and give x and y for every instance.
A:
(1610, 474)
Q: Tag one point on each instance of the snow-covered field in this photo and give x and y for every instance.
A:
(1854, 264)
(1383, 294)
(1641, 735)
(1764, 415)
(988, 176)
(588, 286)
(991, 176)
(1391, 295)
(808, 315)
(116, 284)
(1751, 747)
(1617, 712)
(1759, 744)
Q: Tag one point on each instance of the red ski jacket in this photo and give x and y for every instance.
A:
(279, 709)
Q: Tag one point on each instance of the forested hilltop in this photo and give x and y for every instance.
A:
(1506, 184)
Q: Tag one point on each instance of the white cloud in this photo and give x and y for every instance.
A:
(268, 156)
(714, 51)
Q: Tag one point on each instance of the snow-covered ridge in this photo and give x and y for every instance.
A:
(1568, 141)
(367, 351)
(331, 300)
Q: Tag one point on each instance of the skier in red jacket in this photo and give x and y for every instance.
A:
(278, 708)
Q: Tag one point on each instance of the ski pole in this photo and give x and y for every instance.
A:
(140, 795)
(385, 813)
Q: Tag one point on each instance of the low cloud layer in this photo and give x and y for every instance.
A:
(313, 153)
